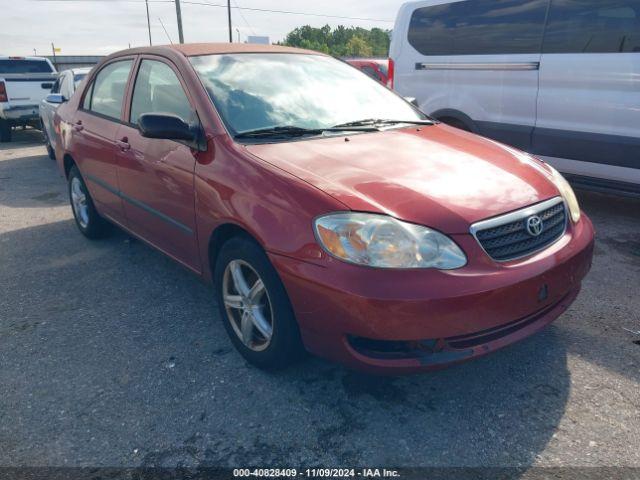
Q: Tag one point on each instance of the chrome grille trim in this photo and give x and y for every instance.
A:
(509, 220)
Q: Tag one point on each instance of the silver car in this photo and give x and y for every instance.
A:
(62, 90)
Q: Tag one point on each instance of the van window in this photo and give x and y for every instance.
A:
(109, 88)
(593, 26)
(158, 90)
(479, 27)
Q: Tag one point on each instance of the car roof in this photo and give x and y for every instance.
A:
(196, 49)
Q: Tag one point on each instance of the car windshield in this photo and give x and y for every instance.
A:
(261, 91)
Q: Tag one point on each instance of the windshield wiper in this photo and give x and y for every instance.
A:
(293, 131)
(381, 121)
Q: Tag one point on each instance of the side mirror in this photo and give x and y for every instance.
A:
(165, 125)
(55, 98)
(413, 101)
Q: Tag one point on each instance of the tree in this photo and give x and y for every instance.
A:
(358, 47)
(341, 41)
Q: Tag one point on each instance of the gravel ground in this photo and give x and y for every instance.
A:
(112, 355)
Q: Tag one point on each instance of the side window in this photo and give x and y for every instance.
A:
(479, 27)
(56, 86)
(593, 26)
(107, 91)
(158, 90)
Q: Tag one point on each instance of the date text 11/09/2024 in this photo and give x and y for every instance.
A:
(316, 472)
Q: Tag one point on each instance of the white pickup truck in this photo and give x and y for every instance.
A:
(24, 82)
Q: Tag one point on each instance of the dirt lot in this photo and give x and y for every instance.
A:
(112, 355)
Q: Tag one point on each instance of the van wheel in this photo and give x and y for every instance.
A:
(5, 131)
(254, 306)
(89, 222)
(47, 143)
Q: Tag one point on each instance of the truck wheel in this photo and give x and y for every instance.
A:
(5, 131)
(47, 143)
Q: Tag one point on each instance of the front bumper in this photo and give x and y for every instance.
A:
(442, 317)
(20, 113)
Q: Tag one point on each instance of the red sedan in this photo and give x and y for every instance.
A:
(328, 212)
(375, 68)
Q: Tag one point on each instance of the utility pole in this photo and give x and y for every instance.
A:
(148, 21)
(179, 15)
(229, 14)
(55, 60)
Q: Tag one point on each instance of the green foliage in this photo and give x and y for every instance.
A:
(341, 41)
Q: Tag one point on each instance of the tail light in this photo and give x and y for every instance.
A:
(391, 73)
(3, 93)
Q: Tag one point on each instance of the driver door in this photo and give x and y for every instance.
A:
(156, 175)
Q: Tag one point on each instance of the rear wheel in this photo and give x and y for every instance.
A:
(5, 131)
(255, 307)
(88, 221)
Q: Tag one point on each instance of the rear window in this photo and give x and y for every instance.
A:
(479, 27)
(593, 26)
(25, 66)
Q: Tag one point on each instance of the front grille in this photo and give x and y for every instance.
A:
(507, 237)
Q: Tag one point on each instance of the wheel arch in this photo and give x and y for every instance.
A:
(68, 162)
(220, 235)
(458, 116)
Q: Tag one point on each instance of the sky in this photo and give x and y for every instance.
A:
(100, 27)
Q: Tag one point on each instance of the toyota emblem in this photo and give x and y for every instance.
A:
(534, 225)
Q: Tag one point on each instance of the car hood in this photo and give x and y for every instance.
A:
(434, 175)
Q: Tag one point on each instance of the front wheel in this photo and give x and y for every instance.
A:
(255, 307)
(88, 221)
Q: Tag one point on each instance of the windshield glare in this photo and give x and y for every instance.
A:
(256, 91)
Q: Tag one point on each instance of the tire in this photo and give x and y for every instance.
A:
(284, 347)
(88, 221)
(5, 131)
(45, 138)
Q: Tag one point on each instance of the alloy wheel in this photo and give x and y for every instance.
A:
(246, 301)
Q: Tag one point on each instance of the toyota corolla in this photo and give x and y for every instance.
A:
(329, 213)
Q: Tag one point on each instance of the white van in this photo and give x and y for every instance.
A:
(557, 78)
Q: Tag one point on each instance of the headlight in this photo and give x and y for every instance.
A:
(384, 242)
(567, 193)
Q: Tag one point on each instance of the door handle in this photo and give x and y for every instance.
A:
(78, 126)
(123, 144)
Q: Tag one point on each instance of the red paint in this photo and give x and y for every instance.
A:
(433, 175)
(374, 65)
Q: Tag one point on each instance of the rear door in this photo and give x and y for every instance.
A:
(94, 130)
(478, 58)
(156, 175)
(588, 107)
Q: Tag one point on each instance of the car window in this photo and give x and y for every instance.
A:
(108, 89)
(255, 90)
(370, 71)
(56, 86)
(158, 90)
(77, 78)
(593, 26)
(479, 27)
(25, 66)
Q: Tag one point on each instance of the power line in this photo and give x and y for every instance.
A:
(237, 7)
(243, 17)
